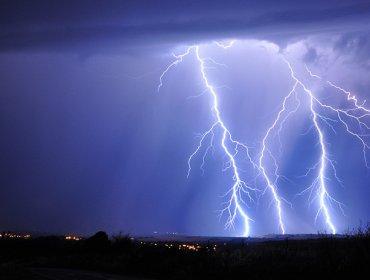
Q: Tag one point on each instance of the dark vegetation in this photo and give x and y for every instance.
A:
(326, 256)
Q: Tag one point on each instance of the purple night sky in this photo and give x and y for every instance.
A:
(87, 142)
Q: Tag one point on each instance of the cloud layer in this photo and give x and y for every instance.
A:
(117, 25)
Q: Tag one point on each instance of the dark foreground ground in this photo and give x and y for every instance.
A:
(64, 274)
(97, 258)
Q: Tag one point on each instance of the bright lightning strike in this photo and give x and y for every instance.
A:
(265, 150)
(229, 145)
(346, 117)
(320, 180)
(353, 118)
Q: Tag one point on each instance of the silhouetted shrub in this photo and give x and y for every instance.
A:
(99, 241)
(122, 243)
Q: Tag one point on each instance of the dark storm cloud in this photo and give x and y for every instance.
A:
(116, 25)
(355, 45)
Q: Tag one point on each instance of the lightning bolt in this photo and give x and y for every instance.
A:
(272, 185)
(230, 146)
(355, 114)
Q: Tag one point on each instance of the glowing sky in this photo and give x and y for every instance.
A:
(88, 143)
